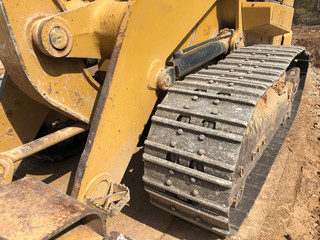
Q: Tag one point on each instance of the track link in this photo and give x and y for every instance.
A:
(194, 144)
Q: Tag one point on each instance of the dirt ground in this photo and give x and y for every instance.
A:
(288, 206)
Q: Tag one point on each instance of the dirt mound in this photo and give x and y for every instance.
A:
(309, 36)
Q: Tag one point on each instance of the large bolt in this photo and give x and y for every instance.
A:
(58, 38)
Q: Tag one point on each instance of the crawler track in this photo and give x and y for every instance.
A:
(194, 145)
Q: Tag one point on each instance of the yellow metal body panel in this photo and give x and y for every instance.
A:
(60, 84)
(147, 37)
(20, 117)
(267, 18)
(287, 38)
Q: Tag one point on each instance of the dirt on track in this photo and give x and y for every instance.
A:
(288, 205)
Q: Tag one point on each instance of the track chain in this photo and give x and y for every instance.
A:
(194, 142)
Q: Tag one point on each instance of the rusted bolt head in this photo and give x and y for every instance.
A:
(195, 192)
(168, 182)
(58, 38)
(10, 130)
(180, 131)
(173, 208)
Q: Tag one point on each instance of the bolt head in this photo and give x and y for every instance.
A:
(214, 112)
(195, 192)
(201, 137)
(216, 101)
(195, 98)
(186, 106)
(201, 152)
(193, 180)
(230, 84)
(168, 182)
(210, 82)
(180, 131)
(58, 38)
(173, 208)
(173, 143)
(171, 172)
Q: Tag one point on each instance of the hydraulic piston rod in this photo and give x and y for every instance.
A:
(199, 55)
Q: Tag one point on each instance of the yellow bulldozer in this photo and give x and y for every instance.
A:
(210, 82)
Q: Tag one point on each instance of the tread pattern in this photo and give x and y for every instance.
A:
(195, 138)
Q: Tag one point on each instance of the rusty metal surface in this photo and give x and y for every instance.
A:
(29, 209)
(106, 195)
